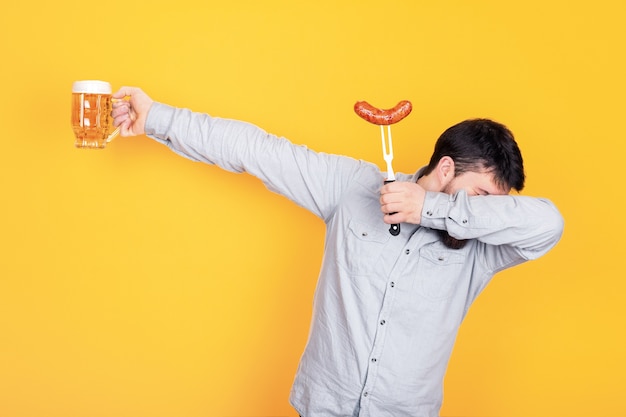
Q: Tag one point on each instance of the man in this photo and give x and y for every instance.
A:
(387, 308)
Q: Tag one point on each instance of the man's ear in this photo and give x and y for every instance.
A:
(445, 171)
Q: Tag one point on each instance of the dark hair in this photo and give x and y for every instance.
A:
(478, 144)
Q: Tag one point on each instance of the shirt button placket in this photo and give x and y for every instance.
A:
(374, 359)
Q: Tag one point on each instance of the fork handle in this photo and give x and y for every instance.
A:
(394, 229)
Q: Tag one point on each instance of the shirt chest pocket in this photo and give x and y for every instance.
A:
(439, 271)
(363, 247)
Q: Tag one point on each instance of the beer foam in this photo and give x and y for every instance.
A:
(91, 86)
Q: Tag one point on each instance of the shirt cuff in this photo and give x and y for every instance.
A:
(159, 120)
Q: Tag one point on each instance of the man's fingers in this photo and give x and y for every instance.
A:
(389, 198)
(125, 128)
(391, 207)
(120, 108)
(393, 218)
(126, 92)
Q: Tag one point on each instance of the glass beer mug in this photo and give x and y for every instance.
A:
(91, 114)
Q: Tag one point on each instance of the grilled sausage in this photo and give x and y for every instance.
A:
(383, 116)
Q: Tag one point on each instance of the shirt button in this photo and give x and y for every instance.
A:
(393, 284)
(382, 322)
(407, 251)
(365, 394)
(373, 359)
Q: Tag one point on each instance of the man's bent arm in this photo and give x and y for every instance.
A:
(532, 226)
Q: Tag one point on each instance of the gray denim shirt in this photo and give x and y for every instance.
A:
(386, 309)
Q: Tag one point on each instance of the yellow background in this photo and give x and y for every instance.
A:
(136, 283)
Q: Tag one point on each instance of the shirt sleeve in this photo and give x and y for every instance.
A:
(514, 228)
(312, 180)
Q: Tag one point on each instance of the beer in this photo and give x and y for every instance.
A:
(91, 114)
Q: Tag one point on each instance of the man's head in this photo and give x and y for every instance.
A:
(479, 146)
(479, 156)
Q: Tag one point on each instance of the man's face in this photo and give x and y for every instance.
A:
(475, 183)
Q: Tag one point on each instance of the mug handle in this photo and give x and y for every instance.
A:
(113, 135)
